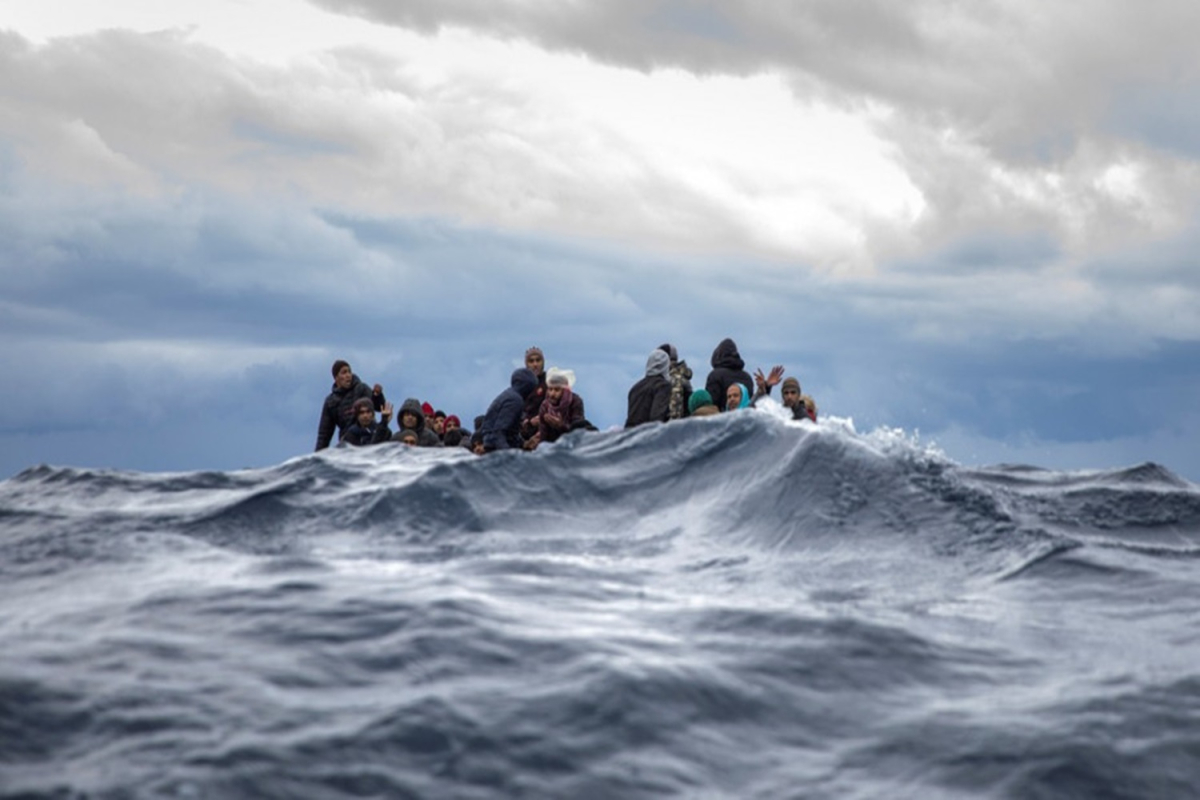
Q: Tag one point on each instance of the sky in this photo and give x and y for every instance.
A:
(975, 223)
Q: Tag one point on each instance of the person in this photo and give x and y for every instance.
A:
(476, 444)
(365, 429)
(650, 398)
(810, 406)
(681, 383)
(453, 438)
(427, 412)
(337, 412)
(453, 423)
(501, 427)
(411, 418)
(535, 362)
(700, 404)
(801, 405)
(737, 397)
(727, 369)
(562, 410)
(407, 437)
(439, 423)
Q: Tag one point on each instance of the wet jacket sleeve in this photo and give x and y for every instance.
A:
(326, 426)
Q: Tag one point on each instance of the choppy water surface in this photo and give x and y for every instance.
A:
(728, 607)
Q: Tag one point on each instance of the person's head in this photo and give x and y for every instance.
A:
(671, 352)
(408, 437)
(452, 423)
(477, 444)
(439, 422)
(524, 381)
(535, 360)
(736, 397)
(364, 412)
(343, 376)
(427, 412)
(791, 392)
(658, 363)
(558, 383)
(454, 437)
(700, 397)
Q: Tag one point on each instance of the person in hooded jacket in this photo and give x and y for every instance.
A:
(650, 398)
(365, 429)
(727, 369)
(411, 418)
(680, 376)
(337, 412)
(501, 428)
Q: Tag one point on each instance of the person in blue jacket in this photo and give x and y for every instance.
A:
(501, 427)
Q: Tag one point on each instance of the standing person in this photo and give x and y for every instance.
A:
(562, 410)
(365, 429)
(680, 376)
(650, 398)
(535, 362)
(337, 412)
(727, 369)
(501, 427)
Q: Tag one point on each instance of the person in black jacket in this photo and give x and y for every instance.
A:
(365, 429)
(727, 369)
(501, 427)
(337, 411)
(650, 398)
(411, 418)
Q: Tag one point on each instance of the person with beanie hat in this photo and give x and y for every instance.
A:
(793, 399)
(535, 362)
(700, 404)
(650, 398)
(337, 412)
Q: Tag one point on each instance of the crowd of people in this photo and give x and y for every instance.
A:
(540, 405)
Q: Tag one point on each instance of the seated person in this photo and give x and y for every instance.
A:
(737, 397)
(562, 410)
(700, 404)
(412, 419)
(365, 429)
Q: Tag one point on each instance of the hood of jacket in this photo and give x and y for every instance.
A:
(659, 363)
(413, 406)
(524, 381)
(726, 355)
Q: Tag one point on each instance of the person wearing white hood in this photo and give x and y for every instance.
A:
(650, 398)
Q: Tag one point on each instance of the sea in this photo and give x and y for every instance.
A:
(738, 606)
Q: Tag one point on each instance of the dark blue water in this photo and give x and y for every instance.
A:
(730, 607)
